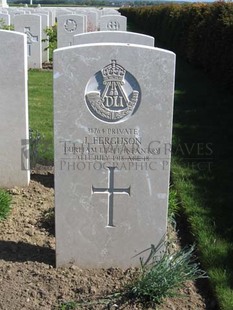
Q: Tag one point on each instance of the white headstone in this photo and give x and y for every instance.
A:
(113, 23)
(116, 36)
(31, 25)
(112, 123)
(60, 11)
(67, 27)
(13, 13)
(48, 12)
(91, 15)
(110, 11)
(3, 4)
(14, 159)
(44, 37)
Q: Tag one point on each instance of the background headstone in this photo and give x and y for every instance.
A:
(3, 4)
(44, 37)
(14, 147)
(110, 11)
(113, 23)
(116, 36)
(112, 122)
(67, 27)
(31, 25)
(91, 16)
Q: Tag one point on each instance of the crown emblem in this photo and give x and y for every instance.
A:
(113, 73)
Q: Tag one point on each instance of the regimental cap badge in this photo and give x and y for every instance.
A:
(113, 94)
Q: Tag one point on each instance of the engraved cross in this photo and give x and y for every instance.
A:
(30, 39)
(110, 190)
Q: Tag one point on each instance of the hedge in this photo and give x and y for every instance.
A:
(200, 32)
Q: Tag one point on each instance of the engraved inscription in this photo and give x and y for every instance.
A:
(30, 39)
(113, 94)
(110, 190)
(70, 25)
(113, 25)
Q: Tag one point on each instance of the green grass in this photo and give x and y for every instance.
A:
(41, 113)
(5, 204)
(202, 172)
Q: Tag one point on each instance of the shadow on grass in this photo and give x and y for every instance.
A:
(202, 146)
(45, 179)
(23, 252)
(203, 121)
(47, 221)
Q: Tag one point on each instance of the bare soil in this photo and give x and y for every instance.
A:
(28, 277)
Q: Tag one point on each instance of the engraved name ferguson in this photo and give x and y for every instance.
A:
(112, 140)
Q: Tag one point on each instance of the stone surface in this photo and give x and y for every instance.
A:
(112, 131)
(116, 36)
(91, 15)
(67, 27)
(3, 4)
(44, 44)
(14, 110)
(110, 11)
(31, 25)
(113, 23)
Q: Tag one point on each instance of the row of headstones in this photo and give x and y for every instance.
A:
(113, 105)
(69, 25)
(93, 14)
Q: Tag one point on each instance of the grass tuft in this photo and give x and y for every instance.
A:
(161, 277)
(5, 201)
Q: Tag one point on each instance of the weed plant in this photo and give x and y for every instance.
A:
(4, 26)
(161, 274)
(34, 140)
(51, 33)
(5, 201)
(174, 206)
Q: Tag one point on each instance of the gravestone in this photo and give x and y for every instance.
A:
(50, 13)
(112, 125)
(14, 161)
(31, 25)
(3, 4)
(67, 27)
(13, 13)
(110, 11)
(60, 11)
(116, 36)
(113, 23)
(44, 37)
(91, 15)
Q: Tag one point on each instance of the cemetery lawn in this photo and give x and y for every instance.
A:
(41, 115)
